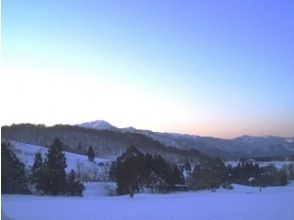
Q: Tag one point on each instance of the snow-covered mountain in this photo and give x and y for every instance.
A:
(98, 125)
(110, 141)
(106, 143)
(244, 146)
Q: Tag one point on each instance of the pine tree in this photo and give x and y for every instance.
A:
(177, 176)
(91, 154)
(54, 169)
(291, 171)
(80, 148)
(74, 187)
(160, 167)
(147, 169)
(129, 170)
(13, 178)
(283, 178)
(37, 170)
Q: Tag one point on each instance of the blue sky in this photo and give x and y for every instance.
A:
(216, 68)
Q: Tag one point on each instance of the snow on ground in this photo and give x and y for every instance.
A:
(26, 153)
(94, 189)
(242, 203)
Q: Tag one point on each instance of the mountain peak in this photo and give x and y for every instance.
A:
(129, 130)
(98, 125)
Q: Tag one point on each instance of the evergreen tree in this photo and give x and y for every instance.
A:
(153, 182)
(283, 177)
(147, 169)
(113, 171)
(91, 154)
(54, 170)
(187, 166)
(283, 180)
(38, 176)
(13, 178)
(291, 171)
(74, 187)
(80, 148)
(160, 167)
(129, 171)
(177, 176)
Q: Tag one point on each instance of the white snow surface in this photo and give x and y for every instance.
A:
(26, 153)
(241, 203)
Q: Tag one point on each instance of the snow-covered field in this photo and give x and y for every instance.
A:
(26, 153)
(241, 203)
(97, 170)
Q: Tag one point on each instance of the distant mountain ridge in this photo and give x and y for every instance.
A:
(243, 146)
(110, 141)
(106, 143)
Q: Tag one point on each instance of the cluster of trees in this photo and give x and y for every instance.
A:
(247, 172)
(47, 176)
(210, 174)
(133, 171)
(244, 172)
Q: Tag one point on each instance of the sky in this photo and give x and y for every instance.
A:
(211, 68)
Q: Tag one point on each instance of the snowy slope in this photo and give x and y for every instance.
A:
(241, 203)
(26, 153)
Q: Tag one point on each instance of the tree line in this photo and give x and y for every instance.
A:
(134, 171)
(248, 172)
